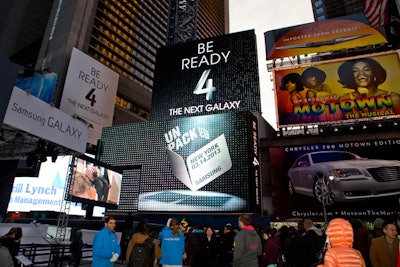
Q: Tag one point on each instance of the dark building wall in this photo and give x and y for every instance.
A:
(22, 25)
(8, 171)
(327, 9)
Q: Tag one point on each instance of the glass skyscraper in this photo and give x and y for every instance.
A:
(122, 34)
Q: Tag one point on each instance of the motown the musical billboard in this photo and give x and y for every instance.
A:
(351, 89)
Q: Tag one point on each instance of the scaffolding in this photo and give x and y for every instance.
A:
(62, 222)
(181, 25)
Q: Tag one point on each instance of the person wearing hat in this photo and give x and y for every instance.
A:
(227, 240)
(377, 231)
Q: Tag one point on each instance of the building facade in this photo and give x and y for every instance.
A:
(123, 35)
(327, 9)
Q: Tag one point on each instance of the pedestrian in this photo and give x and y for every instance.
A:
(12, 241)
(106, 248)
(247, 244)
(209, 248)
(140, 236)
(310, 244)
(271, 248)
(384, 250)
(227, 240)
(76, 249)
(192, 246)
(172, 244)
(340, 251)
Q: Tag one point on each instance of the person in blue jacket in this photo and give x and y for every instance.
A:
(106, 248)
(172, 244)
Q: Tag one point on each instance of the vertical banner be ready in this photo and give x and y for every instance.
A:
(89, 93)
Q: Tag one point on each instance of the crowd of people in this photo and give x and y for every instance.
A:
(343, 243)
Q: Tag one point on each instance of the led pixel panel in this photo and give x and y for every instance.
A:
(194, 164)
(210, 76)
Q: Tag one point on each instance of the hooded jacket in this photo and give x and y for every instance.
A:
(340, 252)
(247, 248)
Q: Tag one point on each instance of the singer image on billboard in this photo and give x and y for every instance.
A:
(364, 76)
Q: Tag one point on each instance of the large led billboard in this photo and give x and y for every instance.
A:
(202, 164)
(209, 76)
(95, 182)
(353, 179)
(351, 89)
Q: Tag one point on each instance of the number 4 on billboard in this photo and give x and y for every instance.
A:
(208, 89)
(91, 97)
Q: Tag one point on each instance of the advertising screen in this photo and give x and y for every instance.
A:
(353, 179)
(46, 191)
(42, 86)
(202, 164)
(209, 76)
(95, 183)
(351, 89)
(322, 36)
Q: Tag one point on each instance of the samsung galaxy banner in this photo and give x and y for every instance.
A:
(30, 114)
(197, 164)
(351, 89)
(210, 76)
(89, 93)
(357, 179)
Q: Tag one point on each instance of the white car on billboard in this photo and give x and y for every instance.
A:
(341, 176)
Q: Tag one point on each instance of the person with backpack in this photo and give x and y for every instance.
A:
(143, 249)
